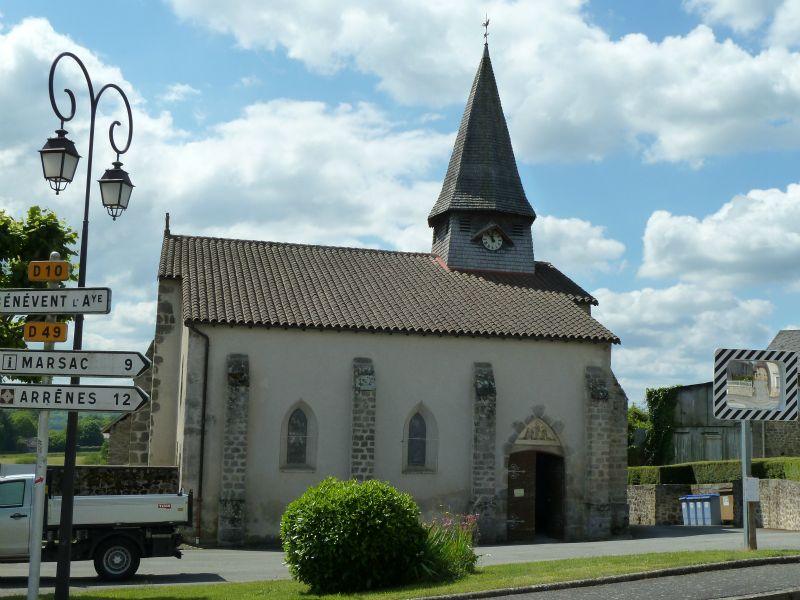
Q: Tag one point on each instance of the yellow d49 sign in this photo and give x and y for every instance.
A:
(38, 331)
(48, 270)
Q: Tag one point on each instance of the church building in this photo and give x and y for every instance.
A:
(472, 376)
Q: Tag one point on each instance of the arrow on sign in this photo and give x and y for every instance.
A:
(73, 363)
(64, 301)
(97, 398)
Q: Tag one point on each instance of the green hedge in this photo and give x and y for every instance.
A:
(722, 471)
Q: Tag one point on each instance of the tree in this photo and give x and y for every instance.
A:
(89, 433)
(7, 438)
(24, 424)
(32, 237)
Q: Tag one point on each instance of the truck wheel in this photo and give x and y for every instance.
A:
(116, 559)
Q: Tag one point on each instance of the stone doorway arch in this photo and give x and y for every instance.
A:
(536, 484)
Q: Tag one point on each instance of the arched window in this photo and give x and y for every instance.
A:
(299, 432)
(417, 438)
(297, 438)
(420, 435)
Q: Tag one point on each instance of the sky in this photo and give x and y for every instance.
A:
(658, 142)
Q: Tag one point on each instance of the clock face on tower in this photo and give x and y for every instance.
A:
(492, 240)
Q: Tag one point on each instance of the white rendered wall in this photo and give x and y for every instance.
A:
(287, 366)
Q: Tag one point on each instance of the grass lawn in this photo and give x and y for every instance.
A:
(53, 458)
(486, 578)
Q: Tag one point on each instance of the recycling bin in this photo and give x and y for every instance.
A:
(701, 509)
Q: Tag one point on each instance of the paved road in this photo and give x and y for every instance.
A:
(214, 566)
(712, 585)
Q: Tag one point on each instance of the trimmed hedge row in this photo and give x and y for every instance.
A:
(722, 471)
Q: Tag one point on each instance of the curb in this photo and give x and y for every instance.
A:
(579, 583)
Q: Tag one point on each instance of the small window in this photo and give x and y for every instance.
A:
(297, 438)
(417, 436)
(419, 442)
(298, 449)
(465, 224)
(12, 493)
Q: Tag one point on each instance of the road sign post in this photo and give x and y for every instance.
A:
(63, 301)
(754, 385)
(48, 270)
(68, 363)
(95, 398)
(55, 269)
(44, 331)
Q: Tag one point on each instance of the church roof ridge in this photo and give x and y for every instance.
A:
(295, 244)
(482, 173)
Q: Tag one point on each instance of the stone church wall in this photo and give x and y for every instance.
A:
(119, 441)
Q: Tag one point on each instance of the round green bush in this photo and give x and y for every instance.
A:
(345, 536)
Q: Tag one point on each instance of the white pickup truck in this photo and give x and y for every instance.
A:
(113, 531)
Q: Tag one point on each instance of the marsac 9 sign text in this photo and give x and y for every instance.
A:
(80, 363)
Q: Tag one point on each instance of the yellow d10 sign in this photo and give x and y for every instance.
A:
(38, 331)
(48, 270)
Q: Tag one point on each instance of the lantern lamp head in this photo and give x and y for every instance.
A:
(115, 188)
(59, 160)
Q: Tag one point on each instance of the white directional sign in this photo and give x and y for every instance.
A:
(98, 398)
(72, 363)
(64, 301)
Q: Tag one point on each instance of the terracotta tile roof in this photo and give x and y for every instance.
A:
(294, 285)
(482, 173)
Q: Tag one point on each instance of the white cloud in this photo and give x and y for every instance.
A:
(752, 239)
(781, 17)
(283, 170)
(303, 172)
(739, 15)
(576, 246)
(669, 334)
(178, 92)
(785, 28)
(569, 90)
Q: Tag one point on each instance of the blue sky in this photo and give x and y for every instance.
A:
(657, 141)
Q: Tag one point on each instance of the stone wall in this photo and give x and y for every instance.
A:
(606, 455)
(779, 507)
(484, 427)
(660, 504)
(139, 421)
(781, 438)
(362, 445)
(119, 441)
(115, 480)
(652, 504)
(231, 527)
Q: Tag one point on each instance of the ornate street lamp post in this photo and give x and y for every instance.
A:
(59, 162)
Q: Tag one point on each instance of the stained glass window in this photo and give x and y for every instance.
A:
(297, 438)
(417, 437)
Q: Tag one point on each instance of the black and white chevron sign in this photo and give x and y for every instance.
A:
(730, 407)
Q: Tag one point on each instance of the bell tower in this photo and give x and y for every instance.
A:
(482, 219)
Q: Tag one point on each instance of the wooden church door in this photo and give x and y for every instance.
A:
(522, 496)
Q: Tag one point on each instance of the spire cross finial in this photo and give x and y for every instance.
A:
(485, 26)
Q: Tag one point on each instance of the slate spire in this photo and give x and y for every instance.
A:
(482, 174)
